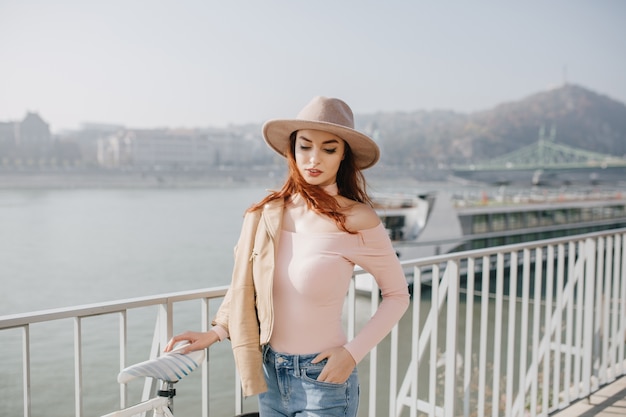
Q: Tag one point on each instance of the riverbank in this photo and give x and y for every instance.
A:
(117, 180)
(266, 177)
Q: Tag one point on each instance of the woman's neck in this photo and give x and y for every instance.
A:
(331, 189)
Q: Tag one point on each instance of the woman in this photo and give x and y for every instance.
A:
(293, 265)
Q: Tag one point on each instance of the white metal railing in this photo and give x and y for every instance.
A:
(574, 319)
(161, 334)
(516, 330)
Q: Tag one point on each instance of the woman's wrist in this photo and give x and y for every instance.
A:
(220, 332)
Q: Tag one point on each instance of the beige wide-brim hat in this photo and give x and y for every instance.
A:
(327, 114)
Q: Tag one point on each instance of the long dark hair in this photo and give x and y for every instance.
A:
(350, 183)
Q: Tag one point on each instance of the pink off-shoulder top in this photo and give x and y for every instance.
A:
(313, 272)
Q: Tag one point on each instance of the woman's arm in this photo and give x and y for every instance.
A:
(377, 256)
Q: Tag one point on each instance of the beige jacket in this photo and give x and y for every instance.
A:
(247, 310)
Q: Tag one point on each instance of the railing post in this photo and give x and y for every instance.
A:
(497, 334)
(78, 368)
(434, 336)
(596, 364)
(123, 352)
(615, 307)
(205, 323)
(536, 360)
(26, 368)
(510, 356)
(558, 320)
(149, 386)
(577, 351)
(521, 393)
(622, 305)
(606, 317)
(547, 334)
(374, 301)
(587, 351)
(484, 314)
(469, 324)
(452, 273)
(166, 321)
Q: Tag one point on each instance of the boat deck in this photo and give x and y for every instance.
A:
(610, 401)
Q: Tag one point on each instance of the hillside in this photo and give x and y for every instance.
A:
(582, 119)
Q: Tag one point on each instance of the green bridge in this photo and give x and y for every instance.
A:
(548, 159)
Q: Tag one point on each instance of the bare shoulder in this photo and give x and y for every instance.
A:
(361, 216)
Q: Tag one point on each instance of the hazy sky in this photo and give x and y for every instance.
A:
(151, 63)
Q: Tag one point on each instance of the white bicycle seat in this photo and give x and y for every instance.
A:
(169, 367)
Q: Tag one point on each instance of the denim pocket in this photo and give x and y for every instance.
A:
(312, 372)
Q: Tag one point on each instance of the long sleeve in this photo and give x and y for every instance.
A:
(377, 256)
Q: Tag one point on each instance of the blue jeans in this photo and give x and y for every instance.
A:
(293, 389)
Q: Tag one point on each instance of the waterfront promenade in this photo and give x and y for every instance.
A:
(610, 401)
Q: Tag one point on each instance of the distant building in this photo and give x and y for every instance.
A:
(87, 139)
(173, 149)
(26, 141)
(8, 133)
(33, 132)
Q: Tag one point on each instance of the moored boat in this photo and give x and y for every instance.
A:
(440, 222)
(436, 223)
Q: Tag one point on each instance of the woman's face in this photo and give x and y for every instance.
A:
(318, 156)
